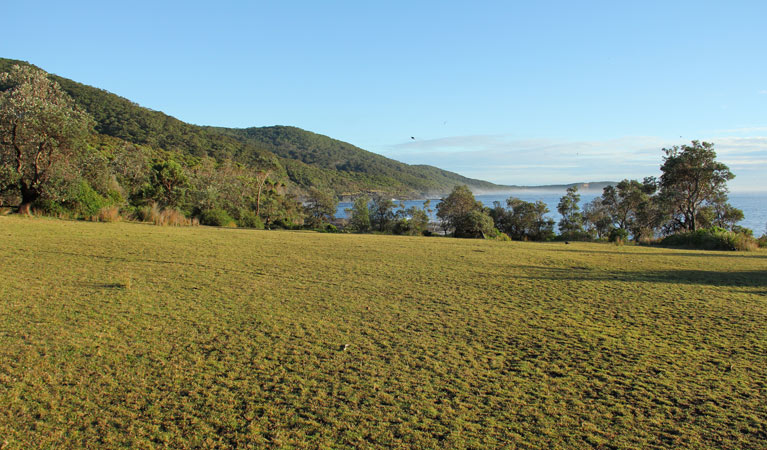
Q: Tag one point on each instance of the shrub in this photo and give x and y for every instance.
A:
(618, 235)
(249, 219)
(216, 217)
(762, 241)
(499, 236)
(51, 208)
(86, 202)
(575, 235)
(286, 224)
(713, 238)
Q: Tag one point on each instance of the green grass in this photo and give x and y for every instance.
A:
(138, 337)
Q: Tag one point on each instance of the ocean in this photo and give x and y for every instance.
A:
(753, 204)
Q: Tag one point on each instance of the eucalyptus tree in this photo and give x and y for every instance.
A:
(572, 219)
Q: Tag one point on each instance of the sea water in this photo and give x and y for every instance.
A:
(753, 204)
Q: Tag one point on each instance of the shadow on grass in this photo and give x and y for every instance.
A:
(107, 285)
(678, 252)
(752, 278)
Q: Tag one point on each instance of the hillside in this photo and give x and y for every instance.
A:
(306, 158)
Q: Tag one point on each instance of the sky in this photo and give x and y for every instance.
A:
(524, 93)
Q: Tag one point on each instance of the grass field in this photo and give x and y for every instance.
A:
(139, 337)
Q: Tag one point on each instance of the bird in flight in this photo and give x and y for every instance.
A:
(412, 137)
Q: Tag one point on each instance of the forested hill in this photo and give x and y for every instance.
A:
(315, 150)
(306, 158)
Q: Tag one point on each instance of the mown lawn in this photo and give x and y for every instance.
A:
(139, 337)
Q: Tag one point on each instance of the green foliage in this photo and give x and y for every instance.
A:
(692, 178)
(41, 134)
(359, 215)
(86, 202)
(571, 224)
(382, 213)
(249, 219)
(216, 217)
(596, 218)
(713, 238)
(170, 184)
(320, 207)
(474, 224)
(618, 235)
(329, 163)
(523, 220)
(414, 221)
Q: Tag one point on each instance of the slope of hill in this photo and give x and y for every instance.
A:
(306, 158)
(291, 143)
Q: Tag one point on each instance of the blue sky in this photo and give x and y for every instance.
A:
(511, 92)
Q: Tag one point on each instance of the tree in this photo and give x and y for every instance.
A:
(170, 184)
(41, 134)
(382, 213)
(261, 179)
(523, 220)
(452, 209)
(632, 206)
(474, 224)
(413, 221)
(320, 207)
(718, 212)
(596, 217)
(691, 178)
(571, 223)
(359, 214)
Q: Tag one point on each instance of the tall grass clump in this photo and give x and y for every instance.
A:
(713, 238)
(108, 214)
(163, 216)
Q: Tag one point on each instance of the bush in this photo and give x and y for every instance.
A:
(249, 219)
(86, 202)
(51, 208)
(762, 241)
(618, 235)
(217, 218)
(498, 235)
(575, 235)
(713, 238)
(285, 224)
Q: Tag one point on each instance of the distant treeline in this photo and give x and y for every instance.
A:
(687, 206)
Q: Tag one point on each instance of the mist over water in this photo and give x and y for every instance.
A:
(753, 204)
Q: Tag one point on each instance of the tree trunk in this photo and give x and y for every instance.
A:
(28, 196)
